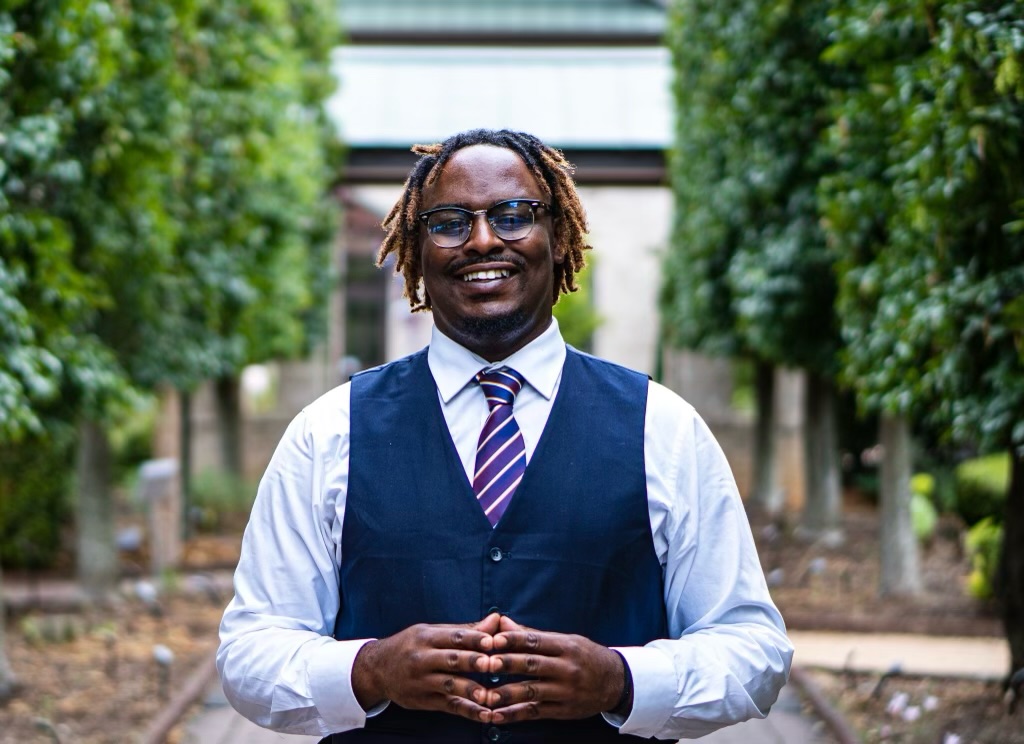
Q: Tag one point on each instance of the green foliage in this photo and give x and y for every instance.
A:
(923, 484)
(163, 195)
(56, 61)
(750, 272)
(252, 192)
(219, 499)
(984, 544)
(35, 489)
(575, 312)
(131, 435)
(923, 516)
(926, 209)
(981, 487)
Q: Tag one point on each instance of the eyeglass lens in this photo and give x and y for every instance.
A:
(510, 220)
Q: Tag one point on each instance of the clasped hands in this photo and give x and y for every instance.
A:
(424, 667)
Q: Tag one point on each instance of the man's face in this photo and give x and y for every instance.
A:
(493, 317)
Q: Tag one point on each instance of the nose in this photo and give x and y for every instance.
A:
(482, 238)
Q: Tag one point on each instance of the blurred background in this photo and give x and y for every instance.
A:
(808, 220)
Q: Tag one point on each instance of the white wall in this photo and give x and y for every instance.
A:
(629, 230)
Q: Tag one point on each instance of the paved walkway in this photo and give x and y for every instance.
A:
(943, 656)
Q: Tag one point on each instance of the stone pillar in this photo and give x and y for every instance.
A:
(159, 490)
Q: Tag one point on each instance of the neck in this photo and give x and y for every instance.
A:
(495, 339)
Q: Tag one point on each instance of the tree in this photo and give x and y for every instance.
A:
(108, 193)
(750, 270)
(58, 64)
(697, 298)
(253, 192)
(8, 682)
(927, 214)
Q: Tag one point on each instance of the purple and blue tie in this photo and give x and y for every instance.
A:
(500, 453)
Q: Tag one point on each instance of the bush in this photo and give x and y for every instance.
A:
(981, 486)
(923, 515)
(984, 543)
(219, 500)
(35, 500)
(131, 436)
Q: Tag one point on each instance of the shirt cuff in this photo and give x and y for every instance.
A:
(654, 692)
(330, 685)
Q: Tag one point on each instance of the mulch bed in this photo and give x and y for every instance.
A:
(822, 585)
(922, 710)
(92, 676)
(818, 585)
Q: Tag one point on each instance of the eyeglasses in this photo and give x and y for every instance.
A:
(512, 219)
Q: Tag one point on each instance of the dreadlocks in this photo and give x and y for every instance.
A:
(552, 171)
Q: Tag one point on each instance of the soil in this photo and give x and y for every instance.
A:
(833, 585)
(922, 710)
(90, 677)
(95, 690)
(825, 584)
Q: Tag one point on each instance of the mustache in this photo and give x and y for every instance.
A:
(465, 263)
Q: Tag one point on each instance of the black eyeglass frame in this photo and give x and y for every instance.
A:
(534, 204)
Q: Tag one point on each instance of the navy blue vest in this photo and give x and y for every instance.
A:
(573, 552)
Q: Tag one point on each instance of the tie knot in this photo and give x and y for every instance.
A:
(501, 386)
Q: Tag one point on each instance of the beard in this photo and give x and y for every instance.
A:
(490, 329)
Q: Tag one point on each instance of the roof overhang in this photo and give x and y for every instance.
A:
(594, 166)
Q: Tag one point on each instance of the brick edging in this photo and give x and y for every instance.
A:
(835, 721)
(190, 691)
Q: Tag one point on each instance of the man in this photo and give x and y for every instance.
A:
(498, 538)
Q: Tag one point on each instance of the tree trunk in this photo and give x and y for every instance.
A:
(97, 553)
(8, 682)
(227, 392)
(185, 471)
(823, 502)
(900, 567)
(766, 493)
(1011, 565)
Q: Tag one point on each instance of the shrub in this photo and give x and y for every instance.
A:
(981, 485)
(219, 500)
(923, 516)
(35, 500)
(984, 543)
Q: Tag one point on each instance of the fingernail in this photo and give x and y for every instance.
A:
(497, 718)
(479, 695)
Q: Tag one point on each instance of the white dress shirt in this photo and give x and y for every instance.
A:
(727, 654)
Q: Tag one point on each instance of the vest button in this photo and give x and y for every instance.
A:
(494, 733)
(495, 678)
(496, 554)
(493, 608)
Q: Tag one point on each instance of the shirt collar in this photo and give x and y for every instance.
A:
(539, 362)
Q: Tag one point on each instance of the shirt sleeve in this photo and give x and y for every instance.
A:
(728, 655)
(278, 661)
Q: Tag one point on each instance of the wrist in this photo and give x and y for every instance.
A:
(624, 705)
(367, 685)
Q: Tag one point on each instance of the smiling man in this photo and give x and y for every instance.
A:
(498, 538)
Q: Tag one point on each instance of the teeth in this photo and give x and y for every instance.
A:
(476, 276)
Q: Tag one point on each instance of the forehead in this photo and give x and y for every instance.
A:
(479, 176)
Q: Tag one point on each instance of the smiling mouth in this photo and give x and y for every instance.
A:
(482, 276)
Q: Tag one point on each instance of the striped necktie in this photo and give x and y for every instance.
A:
(500, 453)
